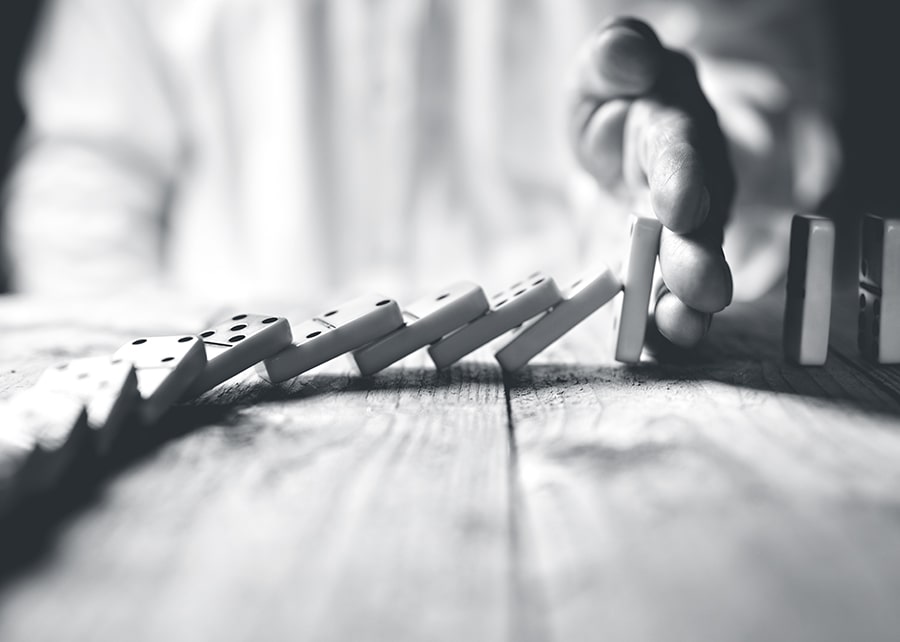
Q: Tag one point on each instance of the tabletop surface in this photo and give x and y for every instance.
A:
(728, 496)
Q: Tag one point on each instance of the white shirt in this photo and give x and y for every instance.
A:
(241, 147)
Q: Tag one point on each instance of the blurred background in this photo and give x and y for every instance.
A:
(867, 49)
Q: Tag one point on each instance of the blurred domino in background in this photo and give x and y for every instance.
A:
(879, 289)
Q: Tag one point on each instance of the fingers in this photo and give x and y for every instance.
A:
(664, 152)
(622, 58)
(694, 269)
(678, 323)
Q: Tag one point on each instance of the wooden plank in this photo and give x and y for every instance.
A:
(331, 509)
(732, 497)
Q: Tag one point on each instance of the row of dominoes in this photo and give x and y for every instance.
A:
(807, 315)
(85, 403)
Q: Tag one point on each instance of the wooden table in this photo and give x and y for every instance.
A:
(728, 497)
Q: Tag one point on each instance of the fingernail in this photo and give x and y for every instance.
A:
(627, 60)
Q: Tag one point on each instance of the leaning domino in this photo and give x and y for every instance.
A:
(166, 367)
(427, 320)
(329, 335)
(807, 312)
(237, 344)
(879, 289)
(509, 309)
(107, 388)
(637, 283)
(47, 430)
(586, 295)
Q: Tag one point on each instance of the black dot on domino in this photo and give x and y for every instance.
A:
(238, 317)
(186, 339)
(138, 342)
(205, 335)
(167, 359)
(313, 335)
(382, 302)
(499, 303)
(82, 375)
(574, 285)
(539, 281)
(534, 276)
(236, 338)
(270, 320)
(239, 326)
(330, 314)
(443, 296)
(519, 292)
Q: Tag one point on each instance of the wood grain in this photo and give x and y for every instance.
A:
(720, 495)
(738, 498)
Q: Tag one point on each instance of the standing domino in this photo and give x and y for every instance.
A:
(107, 388)
(509, 309)
(237, 344)
(807, 311)
(329, 335)
(587, 295)
(879, 289)
(166, 367)
(637, 282)
(46, 431)
(427, 320)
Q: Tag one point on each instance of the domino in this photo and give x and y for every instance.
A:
(238, 344)
(44, 432)
(16, 449)
(329, 335)
(509, 309)
(637, 282)
(166, 367)
(107, 388)
(427, 320)
(879, 289)
(586, 295)
(807, 311)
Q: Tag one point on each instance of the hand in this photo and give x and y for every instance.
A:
(642, 127)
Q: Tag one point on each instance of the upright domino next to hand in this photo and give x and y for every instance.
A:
(166, 367)
(509, 309)
(879, 289)
(237, 344)
(108, 388)
(807, 312)
(637, 277)
(587, 295)
(427, 320)
(338, 331)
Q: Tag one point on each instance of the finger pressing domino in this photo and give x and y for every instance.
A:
(587, 294)
(637, 282)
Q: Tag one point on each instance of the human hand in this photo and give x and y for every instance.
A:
(643, 128)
